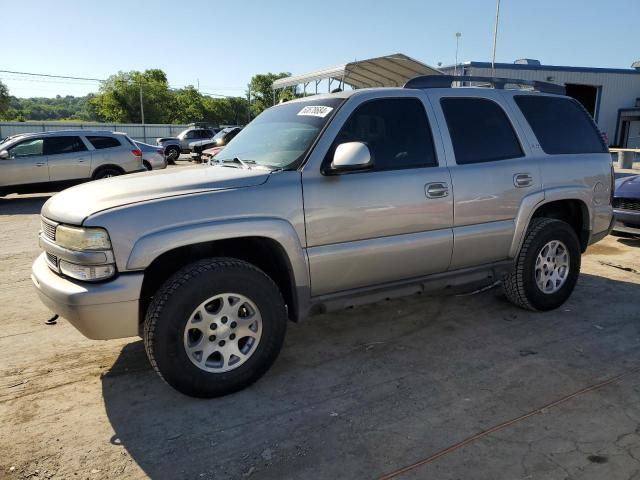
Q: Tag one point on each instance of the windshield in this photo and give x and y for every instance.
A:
(280, 136)
(221, 133)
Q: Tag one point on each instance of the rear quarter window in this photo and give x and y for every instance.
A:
(100, 142)
(561, 125)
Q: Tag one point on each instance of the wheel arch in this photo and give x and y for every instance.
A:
(272, 246)
(101, 168)
(568, 204)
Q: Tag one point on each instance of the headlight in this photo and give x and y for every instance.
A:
(86, 272)
(77, 238)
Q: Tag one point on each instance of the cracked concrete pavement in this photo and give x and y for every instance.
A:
(357, 394)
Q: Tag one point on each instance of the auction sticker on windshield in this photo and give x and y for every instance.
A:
(315, 111)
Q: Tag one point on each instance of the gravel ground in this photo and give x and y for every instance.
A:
(449, 387)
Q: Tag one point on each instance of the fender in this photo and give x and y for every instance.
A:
(532, 202)
(151, 246)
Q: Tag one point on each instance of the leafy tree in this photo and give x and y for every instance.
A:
(4, 100)
(119, 98)
(262, 96)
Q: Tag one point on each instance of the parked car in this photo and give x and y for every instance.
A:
(222, 138)
(153, 158)
(327, 202)
(174, 146)
(49, 161)
(209, 154)
(626, 205)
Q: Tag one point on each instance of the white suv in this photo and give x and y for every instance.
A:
(49, 161)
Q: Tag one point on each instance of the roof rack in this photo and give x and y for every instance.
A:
(445, 81)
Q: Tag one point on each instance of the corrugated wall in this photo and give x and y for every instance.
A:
(143, 133)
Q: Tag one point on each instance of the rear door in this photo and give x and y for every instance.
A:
(381, 225)
(26, 164)
(69, 158)
(492, 173)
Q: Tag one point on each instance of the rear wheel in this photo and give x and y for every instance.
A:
(107, 173)
(215, 327)
(547, 266)
(146, 165)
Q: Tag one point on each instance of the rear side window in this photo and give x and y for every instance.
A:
(396, 130)
(480, 130)
(103, 142)
(561, 125)
(61, 145)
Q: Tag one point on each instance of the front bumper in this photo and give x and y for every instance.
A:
(100, 311)
(627, 221)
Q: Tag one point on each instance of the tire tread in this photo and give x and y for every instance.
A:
(513, 284)
(174, 283)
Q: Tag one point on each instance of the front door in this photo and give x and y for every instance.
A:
(389, 223)
(26, 165)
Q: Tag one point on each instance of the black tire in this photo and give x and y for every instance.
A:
(146, 165)
(106, 173)
(521, 287)
(174, 303)
(172, 153)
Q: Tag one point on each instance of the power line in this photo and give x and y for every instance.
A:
(52, 76)
(46, 75)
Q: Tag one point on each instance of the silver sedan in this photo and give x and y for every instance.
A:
(152, 156)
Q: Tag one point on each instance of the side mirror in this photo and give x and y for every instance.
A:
(351, 156)
(4, 155)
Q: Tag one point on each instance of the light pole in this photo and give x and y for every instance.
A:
(495, 39)
(455, 68)
(141, 105)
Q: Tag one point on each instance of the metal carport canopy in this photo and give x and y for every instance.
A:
(388, 71)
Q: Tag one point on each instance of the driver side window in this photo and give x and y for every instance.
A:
(28, 148)
(396, 130)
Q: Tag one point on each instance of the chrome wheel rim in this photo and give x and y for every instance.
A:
(223, 332)
(552, 267)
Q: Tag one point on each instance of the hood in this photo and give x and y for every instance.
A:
(628, 187)
(75, 204)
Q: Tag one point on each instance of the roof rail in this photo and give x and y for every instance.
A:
(445, 81)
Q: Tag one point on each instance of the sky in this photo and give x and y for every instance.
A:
(220, 45)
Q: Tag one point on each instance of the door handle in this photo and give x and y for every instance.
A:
(521, 180)
(436, 190)
(40, 164)
(82, 160)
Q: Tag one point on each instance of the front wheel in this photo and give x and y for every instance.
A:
(215, 327)
(547, 266)
(172, 153)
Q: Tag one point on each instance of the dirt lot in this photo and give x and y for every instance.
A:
(359, 394)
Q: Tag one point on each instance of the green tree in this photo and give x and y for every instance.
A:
(190, 106)
(262, 96)
(119, 98)
(4, 100)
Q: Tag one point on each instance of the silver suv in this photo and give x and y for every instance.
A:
(324, 203)
(49, 161)
(174, 146)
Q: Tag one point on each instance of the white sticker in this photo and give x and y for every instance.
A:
(315, 111)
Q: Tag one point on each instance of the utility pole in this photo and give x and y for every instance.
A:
(455, 67)
(495, 39)
(141, 105)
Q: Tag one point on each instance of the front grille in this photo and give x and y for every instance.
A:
(48, 229)
(627, 204)
(52, 260)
